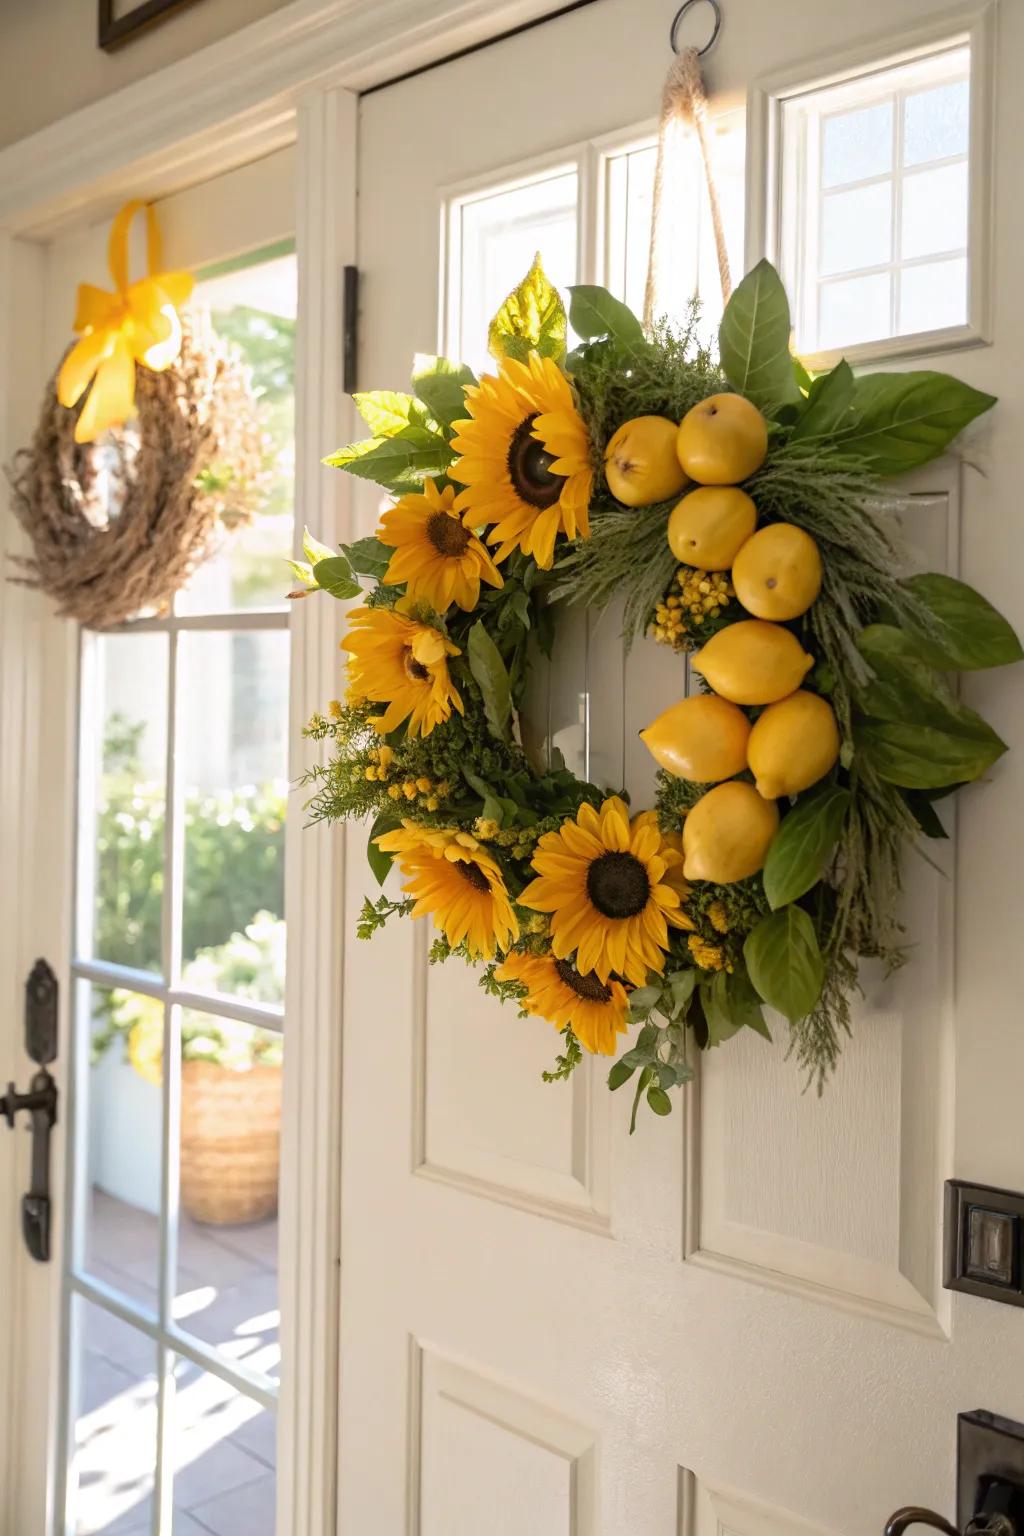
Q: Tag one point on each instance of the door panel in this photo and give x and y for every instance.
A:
(734, 1319)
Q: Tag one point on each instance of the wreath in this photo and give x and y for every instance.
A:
(742, 512)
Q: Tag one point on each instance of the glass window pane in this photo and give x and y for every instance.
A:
(854, 310)
(123, 1139)
(234, 761)
(253, 308)
(934, 211)
(230, 1146)
(124, 748)
(500, 235)
(856, 145)
(223, 1454)
(110, 1489)
(856, 228)
(936, 123)
(933, 295)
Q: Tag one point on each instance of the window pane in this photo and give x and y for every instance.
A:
(124, 747)
(223, 1453)
(933, 295)
(253, 308)
(935, 211)
(854, 310)
(500, 235)
(123, 1139)
(856, 145)
(230, 1144)
(856, 228)
(234, 762)
(110, 1491)
(936, 123)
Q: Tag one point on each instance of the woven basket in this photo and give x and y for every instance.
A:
(230, 1142)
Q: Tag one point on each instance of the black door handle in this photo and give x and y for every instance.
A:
(39, 1103)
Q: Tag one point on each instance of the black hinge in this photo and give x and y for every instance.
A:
(40, 1103)
(350, 330)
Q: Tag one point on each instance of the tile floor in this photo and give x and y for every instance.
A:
(223, 1443)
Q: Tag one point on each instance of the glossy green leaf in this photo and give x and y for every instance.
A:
(925, 757)
(314, 550)
(492, 679)
(440, 384)
(532, 319)
(972, 635)
(368, 557)
(619, 1074)
(385, 411)
(828, 404)
(753, 340)
(379, 861)
(784, 962)
(897, 421)
(334, 575)
(659, 1100)
(804, 844)
(593, 312)
(398, 463)
(730, 1004)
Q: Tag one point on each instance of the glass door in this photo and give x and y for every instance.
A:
(171, 1256)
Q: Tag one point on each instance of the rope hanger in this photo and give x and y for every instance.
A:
(684, 106)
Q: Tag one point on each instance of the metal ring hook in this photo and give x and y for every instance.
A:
(712, 40)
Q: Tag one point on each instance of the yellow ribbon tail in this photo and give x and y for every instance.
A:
(112, 397)
(96, 308)
(80, 365)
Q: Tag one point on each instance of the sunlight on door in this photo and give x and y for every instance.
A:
(180, 950)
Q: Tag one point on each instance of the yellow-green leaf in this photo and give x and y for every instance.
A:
(385, 411)
(532, 319)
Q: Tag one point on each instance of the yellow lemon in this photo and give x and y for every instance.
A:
(777, 573)
(703, 738)
(752, 662)
(722, 440)
(793, 744)
(727, 834)
(710, 526)
(640, 462)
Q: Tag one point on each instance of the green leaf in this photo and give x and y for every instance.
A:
(643, 1081)
(925, 757)
(897, 421)
(659, 1100)
(385, 411)
(491, 676)
(784, 962)
(593, 311)
(334, 575)
(303, 571)
(801, 850)
(368, 557)
(379, 861)
(619, 1074)
(919, 803)
(314, 550)
(532, 319)
(828, 404)
(973, 633)
(731, 1004)
(753, 340)
(440, 385)
(398, 463)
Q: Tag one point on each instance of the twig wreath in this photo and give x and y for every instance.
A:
(743, 511)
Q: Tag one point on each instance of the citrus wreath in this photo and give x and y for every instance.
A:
(742, 510)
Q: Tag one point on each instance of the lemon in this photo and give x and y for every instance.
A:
(640, 462)
(752, 662)
(727, 834)
(777, 573)
(793, 744)
(722, 440)
(710, 526)
(703, 738)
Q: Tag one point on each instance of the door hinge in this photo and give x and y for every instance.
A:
(350, 330)
(39, 1103)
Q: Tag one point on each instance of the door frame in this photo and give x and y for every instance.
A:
(293, 77)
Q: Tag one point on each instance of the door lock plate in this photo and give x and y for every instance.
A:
(984, 1242)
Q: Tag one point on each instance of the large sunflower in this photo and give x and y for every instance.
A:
(457, 883)
(525, 459)
(594, 1010)
(604, 881)
(440, 560)
(403, 664)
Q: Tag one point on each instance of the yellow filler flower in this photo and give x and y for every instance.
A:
(136, 323)
(524, 459)
(457, 883)
(605, 882)
(403, 664)
(436, 555)
(594, 1010)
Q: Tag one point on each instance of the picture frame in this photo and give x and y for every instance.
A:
(117, 24)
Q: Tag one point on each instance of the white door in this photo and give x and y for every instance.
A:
(734, 1320)
(157, 1364)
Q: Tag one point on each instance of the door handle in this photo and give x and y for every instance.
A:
(39, 1103)
(990, 1482)
(987, 1522)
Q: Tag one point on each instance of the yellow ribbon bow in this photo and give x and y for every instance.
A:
(136, 323)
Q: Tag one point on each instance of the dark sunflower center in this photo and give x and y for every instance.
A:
(617, 884)
(473, 874)
(415, 669)
(588, 987)
(529, 465)
(447, 534)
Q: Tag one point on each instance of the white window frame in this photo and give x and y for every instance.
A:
(767, 178)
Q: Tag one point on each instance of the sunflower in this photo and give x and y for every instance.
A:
(436, 555)
(605, 882)
(525, 459)
(594, 1010)
(456, 882)
(401, 663)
